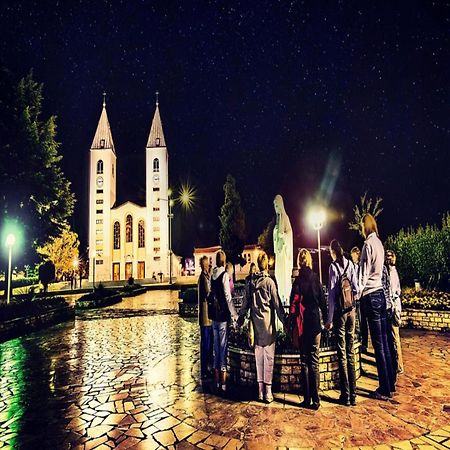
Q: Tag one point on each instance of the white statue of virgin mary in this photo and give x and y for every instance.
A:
(283, 248)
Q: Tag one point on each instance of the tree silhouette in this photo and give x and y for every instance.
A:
(366, 206)
(232, 220)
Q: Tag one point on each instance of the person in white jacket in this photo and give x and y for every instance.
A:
(373, 301)
(396, 292)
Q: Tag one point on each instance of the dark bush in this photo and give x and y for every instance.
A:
(190, 296)
(19, 282)
(26, 306)
(46, 274)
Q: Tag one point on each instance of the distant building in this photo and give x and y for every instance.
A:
(250, 254)
(128, 240)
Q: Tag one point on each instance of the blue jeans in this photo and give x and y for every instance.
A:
(220, 334)
(374, 305)
(206, 336)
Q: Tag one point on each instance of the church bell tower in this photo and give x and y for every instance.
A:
(102, 196)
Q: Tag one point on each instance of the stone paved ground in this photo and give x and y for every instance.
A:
(127, 377)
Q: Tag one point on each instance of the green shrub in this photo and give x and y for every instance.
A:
(190, 296)
(25, 306)
(423, 254)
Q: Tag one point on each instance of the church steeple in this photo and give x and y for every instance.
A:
(156, 136)
(103, 137)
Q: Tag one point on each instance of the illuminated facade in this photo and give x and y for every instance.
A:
(128, 240)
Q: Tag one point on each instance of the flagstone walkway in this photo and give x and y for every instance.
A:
(127, 377)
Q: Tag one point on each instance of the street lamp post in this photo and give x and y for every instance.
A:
(10, 241)
(317, 219)
(170, 216)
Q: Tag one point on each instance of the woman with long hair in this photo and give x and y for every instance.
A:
(306, 303)
(263, 302)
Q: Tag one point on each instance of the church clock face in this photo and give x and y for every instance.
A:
(99, 182)
(156, 178)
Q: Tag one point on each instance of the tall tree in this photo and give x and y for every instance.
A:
(33, 189)
(232, 220)
(62, 251)
(366, 206)
(265, 239)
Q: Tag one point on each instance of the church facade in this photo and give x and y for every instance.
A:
(128, 240)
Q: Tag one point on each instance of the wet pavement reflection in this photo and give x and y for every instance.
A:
(127, 377)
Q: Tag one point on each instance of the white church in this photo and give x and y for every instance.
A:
(128, 240)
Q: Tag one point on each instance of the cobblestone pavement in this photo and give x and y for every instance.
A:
(127, 377)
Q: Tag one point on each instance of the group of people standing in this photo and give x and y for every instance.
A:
(367, 287)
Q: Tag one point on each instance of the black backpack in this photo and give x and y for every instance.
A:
(217, 303)
(346, 299)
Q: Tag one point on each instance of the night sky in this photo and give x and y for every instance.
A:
(313, 100)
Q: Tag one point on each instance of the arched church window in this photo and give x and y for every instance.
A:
(116, 235)
(141, 234)
(99, 166)
(129, 229)
(156, 165)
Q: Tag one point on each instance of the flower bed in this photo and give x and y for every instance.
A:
(426, 300)
(26, 315)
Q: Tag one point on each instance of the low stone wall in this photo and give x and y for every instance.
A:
(286, 373)
(87, 303)
(24, 325)
(426, 319)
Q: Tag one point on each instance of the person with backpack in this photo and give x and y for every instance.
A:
(342, 289)
(307, 303)
(373, 301)
(261, 298)
(221, 310)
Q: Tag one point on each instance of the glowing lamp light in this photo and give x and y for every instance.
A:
(10, 240)
(317, 218)
(75, 263)
(186, 196)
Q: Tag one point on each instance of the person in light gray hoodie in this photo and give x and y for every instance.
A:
(263, 302)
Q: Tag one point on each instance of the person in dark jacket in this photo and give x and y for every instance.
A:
(206, 335)
(306, 304)
(221, 319)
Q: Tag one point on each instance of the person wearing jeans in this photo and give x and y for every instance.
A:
(343, 321)
(206, 333)
(223, 312)
(374, 303)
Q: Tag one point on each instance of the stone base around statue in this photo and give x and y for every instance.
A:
(287, 370)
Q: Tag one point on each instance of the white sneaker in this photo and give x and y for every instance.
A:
(269, 396)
